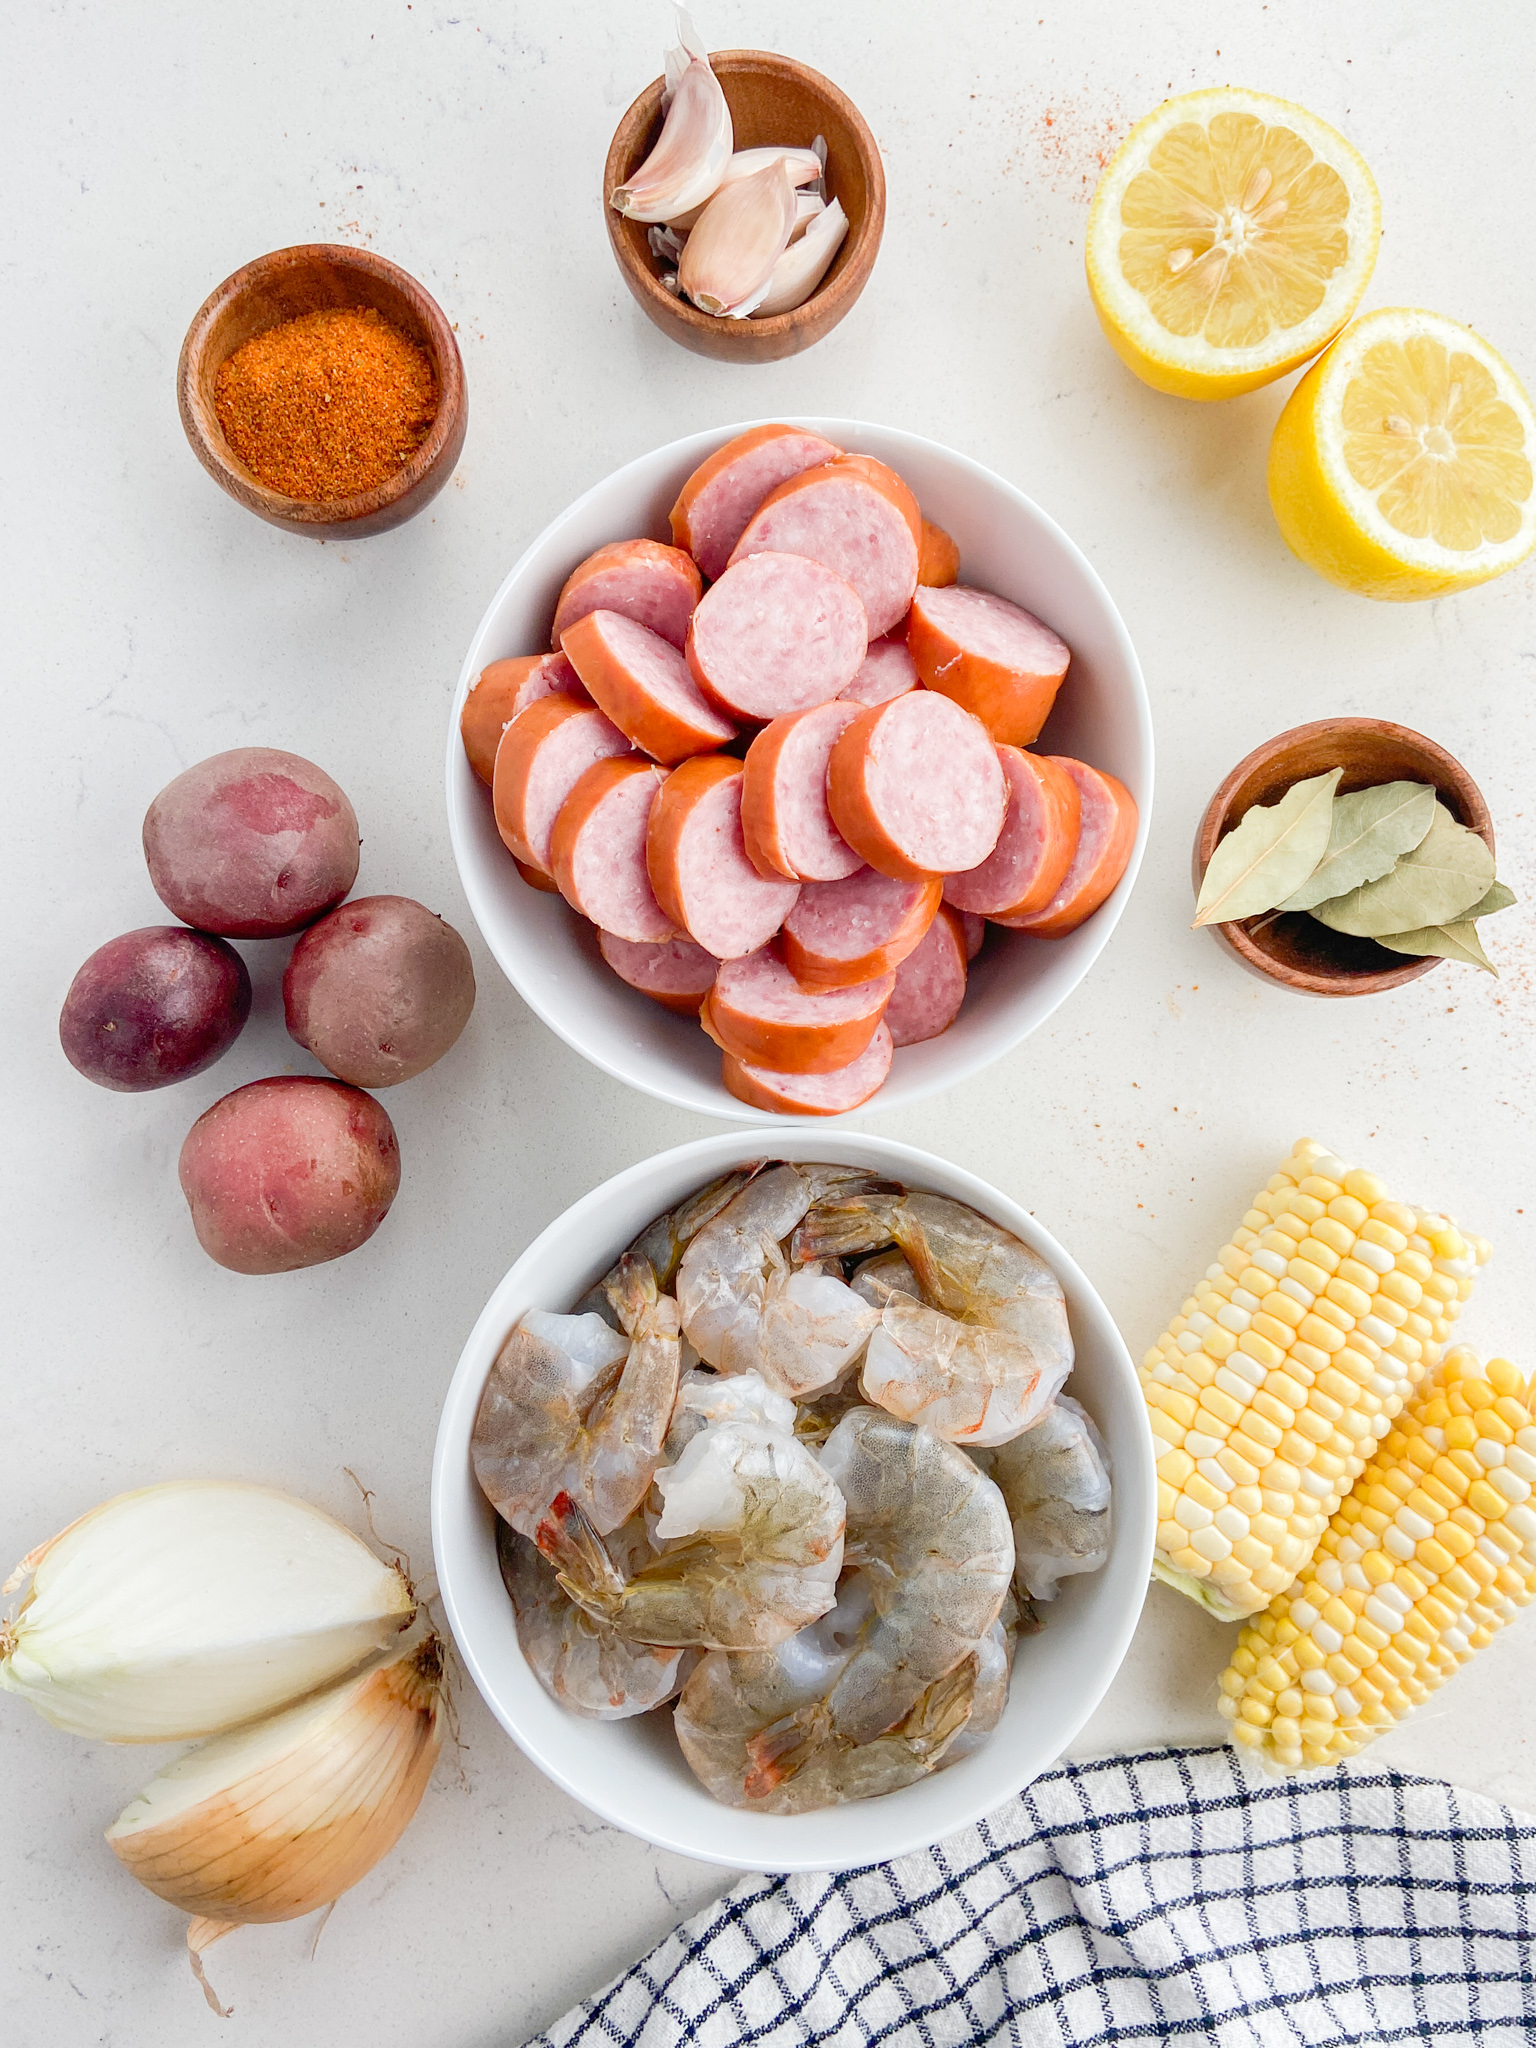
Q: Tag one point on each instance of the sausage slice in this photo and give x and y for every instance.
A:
(915, 786)
(597, 849)
(676, 973)
(543, 754)
(859, 519)
(697, 860)
(812, 1094)
(930, 982)
(938, 557)
(842, 933)
(993, 657)
(777, 633)
(975, 933)
(757, 1011)
(1039, 837)
(784, 816)
(654, 585)
(726, 489)
(888, 672)
(1103, 849)
(501, 692)
(644, 685)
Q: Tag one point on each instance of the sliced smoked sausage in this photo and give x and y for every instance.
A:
(841, 933)
(784, 816)
(758, 1012)
(726, 489)
(676, 973)
(698, 864)
(888, 671)
(915, 786)
(544, 753)
(644, 580)
(930, 982)
(597, 849)
(644, 685)
(938, 559)
(500, 693)
(812, 1094)
(996, 659)
(1039, 837)
(1103, 849)
(858, 518)
(777, 633)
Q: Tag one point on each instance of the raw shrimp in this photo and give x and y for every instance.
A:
(663, 1242)
(887, 1273)
(985, 1349)
(582, 1663)
(573, 1408)
(819, 1414)
(1055, 1481)
(746, 1309)
(749, 1542)
(757, 1731)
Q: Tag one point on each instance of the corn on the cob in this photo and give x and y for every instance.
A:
(1425, 1560)
(1286, 1366)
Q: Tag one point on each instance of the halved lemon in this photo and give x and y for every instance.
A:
(1401, 465)
(1230, 239)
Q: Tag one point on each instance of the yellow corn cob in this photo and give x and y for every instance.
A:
(1425, 1560)
(1287, 1365)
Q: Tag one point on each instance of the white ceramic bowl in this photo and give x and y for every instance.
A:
(632, 1772)
(1008, 545)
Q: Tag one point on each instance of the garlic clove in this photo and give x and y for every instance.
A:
(804, 167)
(729, 257)
(694, 146)
(805, 263)
(271, 1821)
(180, 1610)
(807, 206)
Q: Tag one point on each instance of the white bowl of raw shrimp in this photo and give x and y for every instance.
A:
(1008, 546)
(632, 1772)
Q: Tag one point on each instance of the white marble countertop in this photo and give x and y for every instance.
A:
(150, 622)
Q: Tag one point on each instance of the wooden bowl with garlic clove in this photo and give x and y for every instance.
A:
(1291, 948)
(773, 100)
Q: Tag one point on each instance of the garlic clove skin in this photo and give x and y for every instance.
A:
(804, 167)
(729, 257)
(805, 263)
(694, 146)
(180, 1610)
(807, 206)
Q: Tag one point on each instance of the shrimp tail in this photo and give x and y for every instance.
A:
(587, 1574)
(662, 1243)
(776, 1753)
(942, 1711)
(632, 1289)
(839, 1226)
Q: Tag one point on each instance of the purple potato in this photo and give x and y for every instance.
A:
(154, 1006)
(289, 1172)
(378, 990)
(253, 844)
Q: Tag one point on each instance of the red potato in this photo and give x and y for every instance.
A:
(975, 929)
(288, 1173)
(501, 693)
(697, 860)
(859, 519)
(597, 850)
(544, 753)
(720, 497)
(938, 560)
(887, 672)
(841, 933)
(930, 982)
(1103, 849)
(643, 580)
(645, 686)
(784, 817)
(758, 1012)
(812, 1094)
(154, 1006)
(992, 657)
(379, 990)
(676, 973)
(1039, 837)
(778, 633)
(915, 787)
(252, 844)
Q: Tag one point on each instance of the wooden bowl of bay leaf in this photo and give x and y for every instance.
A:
(1373, 841)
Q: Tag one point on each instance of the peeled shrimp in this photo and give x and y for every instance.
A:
(984, 1351)
(749, 1542)
(582, 1663)
(572, 1408)
(1055, 1481)
(663, 1242)
(746, 1309)
(758, 1731)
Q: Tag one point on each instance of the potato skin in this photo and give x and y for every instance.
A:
(379, 990)
(154, 1006)
(252, 844)
(289, 1172)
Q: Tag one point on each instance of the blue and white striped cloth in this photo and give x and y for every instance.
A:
(1137, 1900)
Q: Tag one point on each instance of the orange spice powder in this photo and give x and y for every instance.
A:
(328, 404)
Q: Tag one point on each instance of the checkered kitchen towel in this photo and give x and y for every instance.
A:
(1138, 1900)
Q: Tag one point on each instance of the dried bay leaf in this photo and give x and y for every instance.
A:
(1459, 941)
(1270, 853)
(1498, 898)
(1370, 829)
(1437, 883)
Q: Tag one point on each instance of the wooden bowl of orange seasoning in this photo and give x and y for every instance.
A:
(322, 388)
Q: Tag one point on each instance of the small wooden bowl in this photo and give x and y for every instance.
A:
(772, 100)
(280, 287)
(1295, 949)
